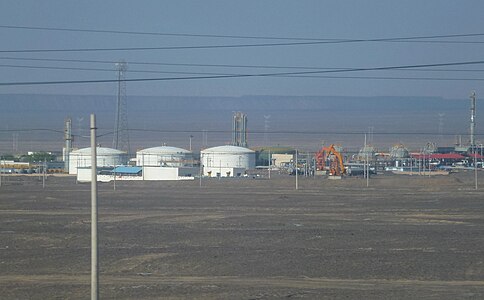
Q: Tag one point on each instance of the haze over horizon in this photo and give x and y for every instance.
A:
(314, 66)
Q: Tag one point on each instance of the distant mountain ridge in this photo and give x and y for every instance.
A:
(295, 120)
(102, 103)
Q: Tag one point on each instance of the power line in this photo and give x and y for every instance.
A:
(204, 46)
(195, 65)
(292, 76)
(106, 70)
(390, 78)
(242, 75)
(169, 64)
(356, 132)
(162, 48)
(328, 40)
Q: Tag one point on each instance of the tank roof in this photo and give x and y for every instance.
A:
(227, 149)
(163, 150)
(100, 151)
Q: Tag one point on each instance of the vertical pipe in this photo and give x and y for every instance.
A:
(473, 117)
(475, 167)
(143, 165)
(365, 167)
(68, 145)
(94, 246)
(296, 171)
(43, 173)
(367, 170)
(270, 163)
(201, 167)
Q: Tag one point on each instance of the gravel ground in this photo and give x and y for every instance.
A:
(403, 237)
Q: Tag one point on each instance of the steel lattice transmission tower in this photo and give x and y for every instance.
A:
(121, 134)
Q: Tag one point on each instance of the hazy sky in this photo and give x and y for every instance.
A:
(295, 19)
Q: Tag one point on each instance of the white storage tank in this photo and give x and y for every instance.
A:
(164, 156)
(106, 157)
(227, 160)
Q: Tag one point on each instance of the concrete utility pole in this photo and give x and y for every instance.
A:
(94, 247)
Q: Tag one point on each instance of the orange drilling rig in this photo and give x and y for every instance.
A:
(328, 158)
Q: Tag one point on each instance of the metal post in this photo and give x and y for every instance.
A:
(270, 163)
(482, 166)
(475, 166)
(296, 171)
(43, 174)
(367, 170)
(411, 165)
(94, 254)
(114, 173)
(143, 165)
(473, 117)
(68, 145)
(419, 164)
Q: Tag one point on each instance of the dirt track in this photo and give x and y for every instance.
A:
(402, 238)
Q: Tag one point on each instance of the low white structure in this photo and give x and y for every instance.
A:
(169, 173)
(279, 160)
(164, 156)
(139, 173)
(106, 157)
(227, 161)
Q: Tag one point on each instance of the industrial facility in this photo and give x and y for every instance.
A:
(165, 156)
(239, 130)
(227, 161)
(106, 157)
(236, 160)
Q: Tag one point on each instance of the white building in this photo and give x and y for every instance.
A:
(164, 156)
(106, 157)
(126, 173)
(227, 161)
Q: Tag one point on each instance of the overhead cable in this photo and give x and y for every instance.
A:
(330, 40)
(242, 75)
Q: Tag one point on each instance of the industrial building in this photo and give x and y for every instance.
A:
(280, 160)
(227, 161)
(164, 156)
(239, 130)
(123, 173)
(106, 157)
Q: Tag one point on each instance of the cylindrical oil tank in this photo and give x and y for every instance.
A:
(228, 156)
(165, 156)
(399, 151)
(106, 157)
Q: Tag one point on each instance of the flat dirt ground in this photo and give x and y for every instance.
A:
(403, 237)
